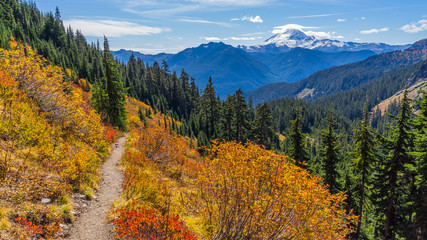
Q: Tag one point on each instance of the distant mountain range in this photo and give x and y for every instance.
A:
(285, 57)
(341, 78)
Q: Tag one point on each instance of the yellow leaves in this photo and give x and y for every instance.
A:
(252, 191)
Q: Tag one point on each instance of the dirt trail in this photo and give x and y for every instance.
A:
(92, 222)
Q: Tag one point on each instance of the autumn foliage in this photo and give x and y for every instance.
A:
(235, 192)
(144, 223)
(252, 193)
(51, 141)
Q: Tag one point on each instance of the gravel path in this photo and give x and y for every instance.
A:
(92, 222)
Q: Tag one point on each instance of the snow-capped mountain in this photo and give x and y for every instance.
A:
(293, 38)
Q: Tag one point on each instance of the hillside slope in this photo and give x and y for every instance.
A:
(341, 78)
(299, 63)
(52, 144)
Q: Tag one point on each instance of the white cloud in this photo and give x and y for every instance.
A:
(215, 39)
(357, 39)
(111, 28)
(243, 38)
(284, 28)
(256, 19)
(315, 16)
(307, 30)
(341, 20)
(415, 27)
(211, 39)
(363, 18)
(190, 20)
(374, 30)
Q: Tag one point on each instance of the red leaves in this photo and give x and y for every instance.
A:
(143, 223)
(111, 136)
(37, 231)
(30, 228)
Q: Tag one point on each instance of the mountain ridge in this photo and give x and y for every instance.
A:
(293, 38)
(340, 78)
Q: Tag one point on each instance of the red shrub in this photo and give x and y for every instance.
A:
(143, 223)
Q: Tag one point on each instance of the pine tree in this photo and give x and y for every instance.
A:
(227, 119)
(330, 154)
(392, 181)
(364, 158)
(297, 149)
(209, 110)
(263, 126)
(99, 99)
(116, 94)
(241, 123)
(419, 196)
(202, 140)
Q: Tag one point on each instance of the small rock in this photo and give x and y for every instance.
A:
(74, 213)
(64, 227)
(84, 205)
(46, 200)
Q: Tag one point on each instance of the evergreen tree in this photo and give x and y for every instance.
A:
(116, 94)
(227, 119)
(241, 122)
(263, 126)
(297, 149)
(419, 196)
(202, 140)
(330, 154)
(99, 99)
(393, 180)
(209, 110)
(364, 158)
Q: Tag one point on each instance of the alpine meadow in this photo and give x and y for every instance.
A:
(222, 120)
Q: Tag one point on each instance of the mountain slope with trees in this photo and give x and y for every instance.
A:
(233, 68)
(341, 78)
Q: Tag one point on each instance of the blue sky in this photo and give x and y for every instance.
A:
(153, 26)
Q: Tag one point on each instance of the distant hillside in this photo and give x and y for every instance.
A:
(299, 63)
(380, 92)
(123, 56)
(232, 68)
(341, 78)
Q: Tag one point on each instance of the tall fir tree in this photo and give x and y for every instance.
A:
(392, 181)
(99, 99)
(209, 110)
(241, 119)
(297, 148)
(226, 121)
(419, 196)
(116, 93)
(263, 126)
(364, 159)
(330, 154)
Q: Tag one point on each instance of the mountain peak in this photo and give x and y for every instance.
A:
(420, 45)
(296, 34)
(291, 38)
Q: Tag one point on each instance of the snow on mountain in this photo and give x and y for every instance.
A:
(293, 38)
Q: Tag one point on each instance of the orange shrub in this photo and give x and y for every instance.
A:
(250, 191)
(142, 223)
